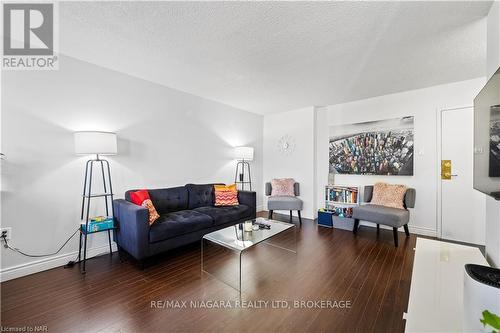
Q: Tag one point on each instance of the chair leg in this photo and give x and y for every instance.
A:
(355, 228)
(291, 221)
(300, 217)
(395, 233)
(378, 227)
(407, 232)
(271, 214)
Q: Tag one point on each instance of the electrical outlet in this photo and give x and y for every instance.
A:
(7, 232)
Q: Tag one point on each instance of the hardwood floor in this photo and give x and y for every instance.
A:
(330, 265)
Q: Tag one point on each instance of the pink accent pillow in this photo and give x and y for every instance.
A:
(282, 187)
(388, 195)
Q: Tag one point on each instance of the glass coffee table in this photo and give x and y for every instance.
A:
(222, 250)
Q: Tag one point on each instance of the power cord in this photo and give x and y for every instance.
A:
(70, 264)
(15, 249)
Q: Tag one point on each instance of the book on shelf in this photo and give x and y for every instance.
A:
(341, 194)
(101, 223)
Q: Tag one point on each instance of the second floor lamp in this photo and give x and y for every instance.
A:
(243, 156)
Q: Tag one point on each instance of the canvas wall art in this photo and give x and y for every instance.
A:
(494, 165)
(383, 147)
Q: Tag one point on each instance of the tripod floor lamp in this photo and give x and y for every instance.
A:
(95, 143)
(243, 156)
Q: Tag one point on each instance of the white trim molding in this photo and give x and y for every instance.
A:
(413, 229)
(44, 264)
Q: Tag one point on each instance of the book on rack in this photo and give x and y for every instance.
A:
(341, 194)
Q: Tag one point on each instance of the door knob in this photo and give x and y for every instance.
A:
(446, 170)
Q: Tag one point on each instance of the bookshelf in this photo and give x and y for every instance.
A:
(339, 203)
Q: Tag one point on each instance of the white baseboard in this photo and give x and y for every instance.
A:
(44, 264)
(260, 208)
(413, 229)
(423, 231)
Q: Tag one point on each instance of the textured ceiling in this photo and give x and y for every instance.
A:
(273, 56)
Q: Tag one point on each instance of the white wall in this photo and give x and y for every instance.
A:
(166, 138)
(423, 104)
(493, 39)
(299, 125)
(493, 206)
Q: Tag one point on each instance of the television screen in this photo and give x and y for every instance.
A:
(487, 138)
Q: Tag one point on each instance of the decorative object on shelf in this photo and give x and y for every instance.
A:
(98, 143)
(243, 155)
(339, 203)
(286, 145)
(383, 147)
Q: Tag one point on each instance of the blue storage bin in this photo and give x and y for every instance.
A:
(325, 219)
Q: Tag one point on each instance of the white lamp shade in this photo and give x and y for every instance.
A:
(244, 153)
(92, 142)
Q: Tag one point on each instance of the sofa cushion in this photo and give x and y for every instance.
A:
(200, 195)
(223, 215)
(393, 217)
(178, 223)
(167, 200)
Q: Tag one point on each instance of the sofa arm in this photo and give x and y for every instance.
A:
(248, 198)
(132, 233)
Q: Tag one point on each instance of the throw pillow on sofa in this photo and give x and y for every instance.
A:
(389, 195)
(142, 198)
(226, 195)
(282, 187)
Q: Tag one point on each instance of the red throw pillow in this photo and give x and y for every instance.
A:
(138, 197)
(142, 198)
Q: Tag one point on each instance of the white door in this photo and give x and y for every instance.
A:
(462, 207)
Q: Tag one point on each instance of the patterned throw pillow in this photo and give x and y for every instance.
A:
(389, 195)
(226, 195)
(141, 198)
(153, 214)
(282, 187)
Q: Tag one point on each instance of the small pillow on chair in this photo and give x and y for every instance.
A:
(282, 187)
(141, 198)
(226, 195)
(389, 195)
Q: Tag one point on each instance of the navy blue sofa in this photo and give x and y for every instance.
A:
(186, 214)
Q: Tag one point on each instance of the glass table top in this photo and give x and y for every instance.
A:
(235, 238)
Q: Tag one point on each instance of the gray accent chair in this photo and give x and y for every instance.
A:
(393, 217)
(284, 203)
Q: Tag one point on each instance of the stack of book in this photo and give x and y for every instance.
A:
(98, 223)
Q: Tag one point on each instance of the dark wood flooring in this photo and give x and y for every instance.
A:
(330, 265)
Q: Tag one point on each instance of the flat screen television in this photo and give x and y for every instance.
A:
(487, 138)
